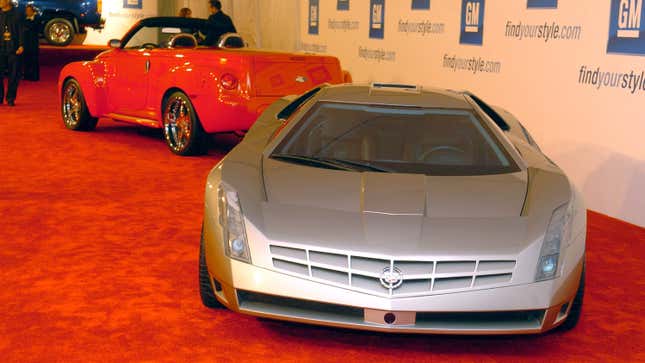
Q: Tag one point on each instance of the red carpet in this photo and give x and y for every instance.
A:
(98, 261)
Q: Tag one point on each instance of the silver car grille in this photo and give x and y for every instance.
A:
(399, 277)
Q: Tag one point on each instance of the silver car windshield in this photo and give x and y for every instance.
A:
(395, 139)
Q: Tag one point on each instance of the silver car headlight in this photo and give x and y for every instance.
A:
(232, 221)
(558, 232)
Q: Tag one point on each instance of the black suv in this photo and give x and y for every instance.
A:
(60, 20)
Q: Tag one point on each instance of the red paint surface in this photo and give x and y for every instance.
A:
(135, 82)
(99, 237)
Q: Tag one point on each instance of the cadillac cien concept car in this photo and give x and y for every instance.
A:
(391, 208)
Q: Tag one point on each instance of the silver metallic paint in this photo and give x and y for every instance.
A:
(501, 216)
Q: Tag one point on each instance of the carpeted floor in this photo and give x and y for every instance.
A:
(99, 238)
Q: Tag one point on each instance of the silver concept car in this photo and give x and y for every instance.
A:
(386, 207)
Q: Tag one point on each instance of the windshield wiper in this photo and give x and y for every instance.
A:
(340, 164)
(326, 163)
(361, 164)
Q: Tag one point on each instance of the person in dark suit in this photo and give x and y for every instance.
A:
(218, 22)
(11, 48)
(31, 70)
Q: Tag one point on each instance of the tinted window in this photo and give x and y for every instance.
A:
(398, 139)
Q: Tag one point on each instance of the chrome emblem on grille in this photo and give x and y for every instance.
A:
(301, 79)
(391, 278)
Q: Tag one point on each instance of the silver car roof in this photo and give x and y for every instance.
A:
(430, 98)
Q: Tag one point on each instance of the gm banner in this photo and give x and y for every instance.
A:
(377, 18)
(580, 95)
(626, 27)
(342, 5)
(421, 4)
(542, 4)
(472, 22)
(313, 16)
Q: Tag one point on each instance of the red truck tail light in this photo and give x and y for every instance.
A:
(347, 77)
(228, 81)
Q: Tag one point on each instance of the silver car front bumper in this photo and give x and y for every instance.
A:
(519, 309)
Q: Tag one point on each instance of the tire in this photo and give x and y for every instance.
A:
(576, 307)
(182, 130)
(74, 110)
(59, 31)
(205, 288)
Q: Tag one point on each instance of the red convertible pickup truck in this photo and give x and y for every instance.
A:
(159, 76)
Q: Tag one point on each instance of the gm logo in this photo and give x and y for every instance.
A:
(548, 4)
(472, 22)
(626, 30)
(342, 5)
(377, 18)
(421, 4)
(629, 18)
(133, 4)
(313, 16)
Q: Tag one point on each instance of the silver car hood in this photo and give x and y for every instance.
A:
(394, 214)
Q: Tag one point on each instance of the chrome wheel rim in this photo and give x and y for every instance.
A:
(72, 105)
(178, 123)
(59, 32)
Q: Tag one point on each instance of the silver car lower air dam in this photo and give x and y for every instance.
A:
(278, 293)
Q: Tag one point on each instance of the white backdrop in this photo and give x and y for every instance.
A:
(594, 134)
(272, 24)
(119, 20)
(597, 135)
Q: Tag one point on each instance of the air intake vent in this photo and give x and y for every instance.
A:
(488, 266)
(451, 267)
(379, 275)
(486, 280)
(330, 275)
(289, 252)
(330, 259)
(451, 283)
(395, 87)
(291, 267)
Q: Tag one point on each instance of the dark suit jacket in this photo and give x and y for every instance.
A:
(218, 24)
(30, 38)
(12, 20)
